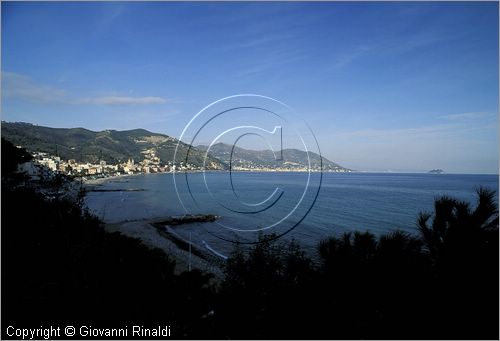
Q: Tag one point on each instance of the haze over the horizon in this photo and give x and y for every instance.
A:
(384, 86)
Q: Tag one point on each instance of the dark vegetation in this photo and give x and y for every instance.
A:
(59, 266)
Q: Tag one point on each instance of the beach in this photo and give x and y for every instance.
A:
(150, 235)
(165, 239)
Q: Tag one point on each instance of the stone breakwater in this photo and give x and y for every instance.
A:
(157, 233)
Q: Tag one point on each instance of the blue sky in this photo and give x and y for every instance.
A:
(384, 85)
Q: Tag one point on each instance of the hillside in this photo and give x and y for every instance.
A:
(112, 146)
(292, 158)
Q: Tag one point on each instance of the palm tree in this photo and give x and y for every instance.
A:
(456, 227)
(462, 243)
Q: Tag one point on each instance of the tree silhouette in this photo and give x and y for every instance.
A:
(456, 226)
(462, 243)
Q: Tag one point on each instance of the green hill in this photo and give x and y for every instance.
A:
(112, 146)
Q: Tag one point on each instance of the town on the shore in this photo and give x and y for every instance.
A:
(150, 164)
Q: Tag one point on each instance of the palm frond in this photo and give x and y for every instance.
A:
(486, 208)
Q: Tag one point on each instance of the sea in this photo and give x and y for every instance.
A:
(304, 207)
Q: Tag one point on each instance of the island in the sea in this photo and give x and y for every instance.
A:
(436, 171)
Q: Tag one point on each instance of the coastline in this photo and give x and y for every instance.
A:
(159, 233)
(100, 181)
(149, 234)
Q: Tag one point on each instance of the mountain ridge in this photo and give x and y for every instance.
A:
(246, 159)
(112, 146)
(117, 146)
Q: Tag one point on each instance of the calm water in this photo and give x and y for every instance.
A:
(357, 201)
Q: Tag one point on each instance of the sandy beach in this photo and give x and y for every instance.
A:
(145, 231)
